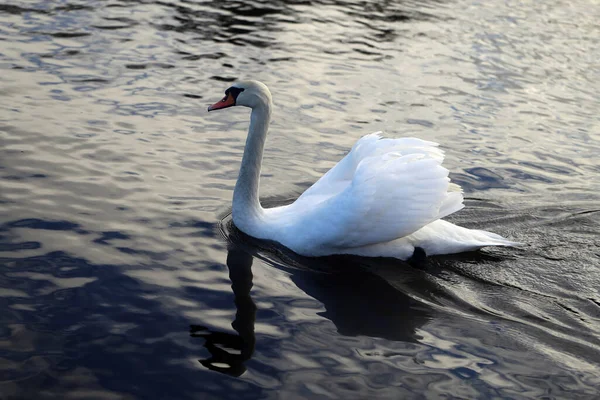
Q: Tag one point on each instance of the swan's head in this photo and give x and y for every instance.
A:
(244, 93)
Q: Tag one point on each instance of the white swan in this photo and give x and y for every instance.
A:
(383, 199)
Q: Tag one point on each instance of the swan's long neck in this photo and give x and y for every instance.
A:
(246, 210)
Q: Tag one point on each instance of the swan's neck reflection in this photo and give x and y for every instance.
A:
(228, 351)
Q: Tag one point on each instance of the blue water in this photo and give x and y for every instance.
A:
(122, 276)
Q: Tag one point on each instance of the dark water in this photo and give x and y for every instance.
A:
(121, 276)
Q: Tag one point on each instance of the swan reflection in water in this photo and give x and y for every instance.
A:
(228, 351)
(360, 298)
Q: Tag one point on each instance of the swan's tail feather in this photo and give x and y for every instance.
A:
(439, 237)
(493, 239)
(443, 237)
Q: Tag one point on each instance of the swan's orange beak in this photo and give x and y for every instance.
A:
(225, 102)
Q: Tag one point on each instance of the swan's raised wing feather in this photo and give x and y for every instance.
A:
(372, 145)
(394, 187)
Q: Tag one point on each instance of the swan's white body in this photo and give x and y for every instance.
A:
(383, 199)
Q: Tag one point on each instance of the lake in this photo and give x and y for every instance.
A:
(123, 277)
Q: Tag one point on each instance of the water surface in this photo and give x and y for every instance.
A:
(121, 275)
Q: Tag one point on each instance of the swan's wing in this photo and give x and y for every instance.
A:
(341, 175)
(396, 187)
